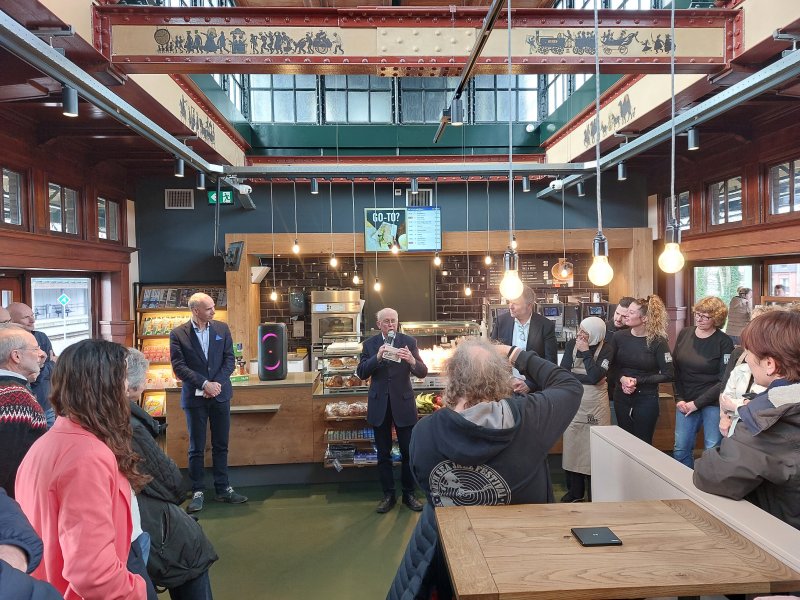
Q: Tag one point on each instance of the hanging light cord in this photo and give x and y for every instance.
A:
(487, 216)
(330, 200)
(375, 200)
(563, 224)
(510, 140)
(467, 232)
(672, 115)
(272, 231)
(353, 197)
(597, 111)
(294, 185)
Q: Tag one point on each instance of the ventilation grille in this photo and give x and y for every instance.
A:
(423, 198)
(179, 199)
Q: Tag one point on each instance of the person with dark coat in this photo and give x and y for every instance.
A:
(489, 446)
(528, 330)
(20, 554)
(180, 553)
(389, 359)
(760, 462)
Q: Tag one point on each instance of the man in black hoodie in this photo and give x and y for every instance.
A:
(490, 447)
(487, 447)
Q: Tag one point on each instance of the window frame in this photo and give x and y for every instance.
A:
(501, 98)
(23, 195)
(727, 224)
(119, 221)
(370, 92)
(794, 212)
(78, 210)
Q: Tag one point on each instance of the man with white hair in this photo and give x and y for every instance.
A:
(389, 359)
(22, 420)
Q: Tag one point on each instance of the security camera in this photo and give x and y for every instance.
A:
(245, 189)
(556, 184)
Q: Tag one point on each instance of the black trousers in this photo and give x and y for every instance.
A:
(637, 413)
(383, 444)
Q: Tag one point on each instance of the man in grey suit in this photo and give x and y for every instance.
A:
(201, 352)
(527, 330)
(389, 359)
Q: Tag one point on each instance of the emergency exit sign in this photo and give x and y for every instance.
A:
(227, 197)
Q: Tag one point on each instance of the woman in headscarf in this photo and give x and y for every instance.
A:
(587, 357)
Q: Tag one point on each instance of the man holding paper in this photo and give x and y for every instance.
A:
(389, 359)
(201, 353)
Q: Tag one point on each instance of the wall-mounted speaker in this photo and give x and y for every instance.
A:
(273, 351)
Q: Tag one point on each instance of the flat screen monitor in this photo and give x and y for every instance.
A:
(595, 310)
(550, 311)
(413, 229)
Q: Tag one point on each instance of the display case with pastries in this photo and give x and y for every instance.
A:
(338, 364)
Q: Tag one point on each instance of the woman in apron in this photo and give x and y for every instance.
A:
(587, 357)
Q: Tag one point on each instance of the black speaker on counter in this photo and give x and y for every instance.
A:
(273, 351)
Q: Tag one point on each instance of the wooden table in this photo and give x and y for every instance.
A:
(669, 548)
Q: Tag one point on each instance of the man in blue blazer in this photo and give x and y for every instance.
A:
(528, 330)
(389, 359)
(201, 352)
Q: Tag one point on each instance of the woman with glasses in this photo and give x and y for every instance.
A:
(75, 482)
(642, 361)
(701, 356)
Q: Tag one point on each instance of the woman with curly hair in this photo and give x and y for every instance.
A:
(700, 356)
(642, 361)
(75, 482)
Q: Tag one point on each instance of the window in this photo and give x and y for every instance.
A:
(107, 220)
(491, 98)
(682, 211)
(12, 197)
(63, 209)
(784, 187)
(615, 4)
(283, 99)
(422, 99)
(358, 99)
(558, 90)
(62, 307)
(721, 281)
(726, 201)
(786, 277)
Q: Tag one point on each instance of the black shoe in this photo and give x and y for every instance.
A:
(386, 504)
(410, 500)
(569, 498)
(231, 497)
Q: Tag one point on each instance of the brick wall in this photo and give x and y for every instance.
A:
(314, 273)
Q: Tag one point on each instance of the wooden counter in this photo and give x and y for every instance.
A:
(271, 423)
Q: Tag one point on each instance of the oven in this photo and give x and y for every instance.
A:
(335, 312)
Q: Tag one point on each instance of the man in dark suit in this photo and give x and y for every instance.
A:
(389, 359)
(201, 352)
(527, 330)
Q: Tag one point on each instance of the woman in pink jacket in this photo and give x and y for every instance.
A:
(75, 482)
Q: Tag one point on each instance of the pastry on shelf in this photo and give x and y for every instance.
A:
(334, 381)
(335, 363)
(354, 381)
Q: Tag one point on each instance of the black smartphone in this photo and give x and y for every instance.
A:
(596, 536)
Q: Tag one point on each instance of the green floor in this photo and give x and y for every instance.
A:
(310, 541)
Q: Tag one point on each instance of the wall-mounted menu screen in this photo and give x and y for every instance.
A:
(412, 229)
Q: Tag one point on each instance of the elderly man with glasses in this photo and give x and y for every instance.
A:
(527, 330)
(22, 420)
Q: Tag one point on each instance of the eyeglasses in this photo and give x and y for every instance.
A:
(6, 321)
(30, 348)
(701, 317)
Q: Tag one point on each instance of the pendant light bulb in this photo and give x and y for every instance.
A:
(356, 279)
(296, 247)
(513, 242)
(671, 259)
(487, 260)
(334, 262)
(600, 273)
(377, 285)
(273, 296)
(437, 260)
(511, 285)
(395, 248)
(468, 291)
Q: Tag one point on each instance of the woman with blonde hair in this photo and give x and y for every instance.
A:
(701, 355)
(75, 482)
(642, 361)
